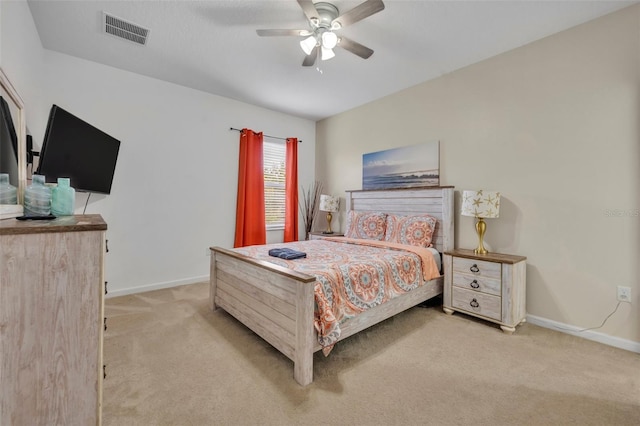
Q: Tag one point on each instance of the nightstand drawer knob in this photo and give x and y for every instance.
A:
(474, 268)
(474, 284)
(474, 303)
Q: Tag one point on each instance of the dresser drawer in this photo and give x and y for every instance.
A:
(477, 283)
(477, 267)
(477, 303)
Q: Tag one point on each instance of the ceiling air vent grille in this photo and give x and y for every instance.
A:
(129, 31)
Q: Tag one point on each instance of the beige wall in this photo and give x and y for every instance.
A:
(554, 126)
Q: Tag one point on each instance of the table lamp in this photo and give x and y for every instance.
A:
(329, 204)
(481, 205)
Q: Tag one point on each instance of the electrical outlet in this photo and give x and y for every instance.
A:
(624, 294)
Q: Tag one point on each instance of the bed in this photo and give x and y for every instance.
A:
(278, 303)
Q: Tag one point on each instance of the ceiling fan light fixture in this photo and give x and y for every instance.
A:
(326, 53)
(329, 40)
(324, 20)
(308, 44)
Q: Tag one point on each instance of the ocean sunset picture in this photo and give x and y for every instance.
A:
(405, 167)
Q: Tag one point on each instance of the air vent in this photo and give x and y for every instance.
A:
(120, 28)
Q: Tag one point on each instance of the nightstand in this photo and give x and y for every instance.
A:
(490, 286)
(316, 235)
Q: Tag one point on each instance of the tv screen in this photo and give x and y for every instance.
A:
(75, 149)
(8, 144)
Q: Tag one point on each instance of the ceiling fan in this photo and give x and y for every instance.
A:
(324, 19)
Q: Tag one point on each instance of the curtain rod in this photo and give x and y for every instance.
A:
(266, 136)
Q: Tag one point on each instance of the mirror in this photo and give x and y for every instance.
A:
(13, 123)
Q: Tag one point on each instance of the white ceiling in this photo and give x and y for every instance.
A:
(212, 45)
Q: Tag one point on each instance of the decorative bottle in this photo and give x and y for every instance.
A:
(37, 198)
(8, 192)
(63, 198)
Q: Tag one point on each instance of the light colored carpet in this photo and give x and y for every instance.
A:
(171, 361)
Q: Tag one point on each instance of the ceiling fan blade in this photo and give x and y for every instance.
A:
(269, 33)
(354, 47)
(358, 13)
(311, 58)
(309, 9)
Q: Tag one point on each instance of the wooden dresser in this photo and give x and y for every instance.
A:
(51, 320)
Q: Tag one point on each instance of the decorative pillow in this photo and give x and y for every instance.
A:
(364, 225)
(414, 230)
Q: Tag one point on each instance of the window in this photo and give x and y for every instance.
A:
(274, 174)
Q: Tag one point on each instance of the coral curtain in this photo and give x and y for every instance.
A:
(250, 219)
(291, 191)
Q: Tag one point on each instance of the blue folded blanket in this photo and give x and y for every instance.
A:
(287, 253)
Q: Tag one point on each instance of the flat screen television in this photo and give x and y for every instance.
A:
(77, 150)
(8, 144)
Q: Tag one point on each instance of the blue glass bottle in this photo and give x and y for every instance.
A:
(63, 198)
(37, 198)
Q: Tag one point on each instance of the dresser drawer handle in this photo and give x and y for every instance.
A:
(474, 303)
(474, 268)
(474, 284)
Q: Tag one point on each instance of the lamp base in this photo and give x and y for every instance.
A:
(329, 217)
(481, 227)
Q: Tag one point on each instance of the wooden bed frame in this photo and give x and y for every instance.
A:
(278, 303)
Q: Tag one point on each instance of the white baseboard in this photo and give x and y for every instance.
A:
(617, 342)
(156, 286)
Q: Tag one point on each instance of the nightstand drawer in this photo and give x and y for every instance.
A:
(476, 303)
(477, 267)
(477, 283)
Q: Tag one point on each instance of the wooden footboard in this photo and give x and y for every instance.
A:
(275, 302)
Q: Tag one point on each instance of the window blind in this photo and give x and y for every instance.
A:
(274, 176)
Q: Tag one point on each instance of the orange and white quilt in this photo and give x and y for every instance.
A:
(352, 275)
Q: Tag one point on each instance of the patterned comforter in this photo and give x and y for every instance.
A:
(352, 276)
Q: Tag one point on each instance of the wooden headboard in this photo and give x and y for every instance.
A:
(436, 201)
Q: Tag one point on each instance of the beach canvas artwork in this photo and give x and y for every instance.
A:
(405, 167)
